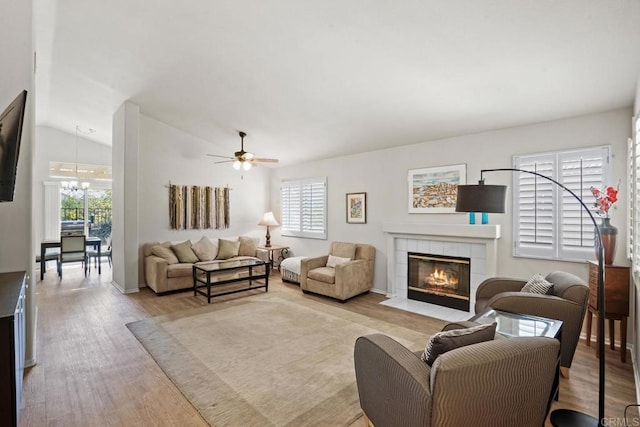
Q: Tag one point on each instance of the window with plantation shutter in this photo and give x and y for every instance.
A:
(548, 221)
(635, 202)
(304, 208)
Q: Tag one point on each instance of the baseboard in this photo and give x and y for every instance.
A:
(378, 291)
(123, 290)
(583, 336)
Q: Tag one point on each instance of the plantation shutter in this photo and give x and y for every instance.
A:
(579, 171)
(636, 202)
(548, 221)
(290, 196)
(534, 206)
(304, 208)
(631, 174)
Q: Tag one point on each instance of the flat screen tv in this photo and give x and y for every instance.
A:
(10, 134)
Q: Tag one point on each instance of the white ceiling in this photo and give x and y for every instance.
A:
(321, 78)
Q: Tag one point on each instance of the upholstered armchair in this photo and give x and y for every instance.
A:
(504, 382)
(351, 276)
(567, 302)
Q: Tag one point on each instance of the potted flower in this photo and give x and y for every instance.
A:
(605, 199)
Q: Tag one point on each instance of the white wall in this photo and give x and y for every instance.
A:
(169, 155)
(383, 176)
(16, 242)
(53, 145)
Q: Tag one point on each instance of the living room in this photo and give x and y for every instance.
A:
(150, 153)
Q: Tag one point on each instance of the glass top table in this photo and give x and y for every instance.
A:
(208, 276)
(520, 325)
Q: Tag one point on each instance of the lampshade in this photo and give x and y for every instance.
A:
(268, 219)
(481, 198)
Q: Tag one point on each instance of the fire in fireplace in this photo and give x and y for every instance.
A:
(439, 279)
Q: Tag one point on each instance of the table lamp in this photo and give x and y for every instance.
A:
(268, 220)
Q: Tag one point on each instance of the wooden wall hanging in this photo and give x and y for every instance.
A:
(198, 207)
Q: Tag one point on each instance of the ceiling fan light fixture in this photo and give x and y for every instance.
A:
(246, 165)
(237, 164)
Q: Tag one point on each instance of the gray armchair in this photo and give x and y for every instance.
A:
(344, 280)
(504, 382)
(568, 302)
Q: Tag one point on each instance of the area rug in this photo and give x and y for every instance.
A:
(268, 359)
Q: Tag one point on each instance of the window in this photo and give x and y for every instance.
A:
(304, 208)
(548, 221)
(634, 200)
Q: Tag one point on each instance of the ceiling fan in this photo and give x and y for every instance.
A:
(243, 159)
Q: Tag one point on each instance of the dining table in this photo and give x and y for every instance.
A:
(94, 242)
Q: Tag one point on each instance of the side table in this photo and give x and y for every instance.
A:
(616, 304)
(283, 251)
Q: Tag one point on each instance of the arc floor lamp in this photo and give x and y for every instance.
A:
(491, 199)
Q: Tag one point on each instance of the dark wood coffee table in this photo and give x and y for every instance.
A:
(207, 276)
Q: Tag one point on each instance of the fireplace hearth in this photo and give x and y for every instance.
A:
(439, 279)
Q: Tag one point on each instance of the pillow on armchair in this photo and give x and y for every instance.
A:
(444, 341)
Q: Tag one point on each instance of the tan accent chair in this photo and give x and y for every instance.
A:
(344, 280)
(504, 382)
(568, 302)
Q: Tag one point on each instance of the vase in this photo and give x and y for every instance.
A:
(608, 234)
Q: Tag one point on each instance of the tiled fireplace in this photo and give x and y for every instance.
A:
(439, 279)
(459, 252)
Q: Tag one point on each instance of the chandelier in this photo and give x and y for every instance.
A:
(73, 184)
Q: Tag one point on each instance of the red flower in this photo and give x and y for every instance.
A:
(604, 199)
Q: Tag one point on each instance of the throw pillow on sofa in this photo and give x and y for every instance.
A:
(227, 249)
(184, 252)
(442, 342)
(166, 253)
(205, 249)
(248, 246)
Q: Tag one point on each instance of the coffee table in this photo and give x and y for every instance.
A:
(207, 276)
(520, 325)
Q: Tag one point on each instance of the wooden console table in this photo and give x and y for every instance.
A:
(616, 304)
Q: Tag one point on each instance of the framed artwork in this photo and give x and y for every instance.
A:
(434, 190)
(356, 208)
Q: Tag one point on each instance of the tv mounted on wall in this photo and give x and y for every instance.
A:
(10, 134)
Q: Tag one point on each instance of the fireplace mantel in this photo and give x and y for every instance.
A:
(479, 242)
(444, 230)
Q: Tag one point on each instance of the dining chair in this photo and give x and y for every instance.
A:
(92, 253)
(73, 249)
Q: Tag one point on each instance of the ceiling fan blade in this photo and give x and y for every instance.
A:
(224, 161)
(263, 160)
(224, 157)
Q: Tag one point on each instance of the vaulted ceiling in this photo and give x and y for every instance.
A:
(316, 79)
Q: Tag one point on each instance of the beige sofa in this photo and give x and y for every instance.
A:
(352, 277)
(165, 274)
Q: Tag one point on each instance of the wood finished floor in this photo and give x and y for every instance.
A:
(92, 371)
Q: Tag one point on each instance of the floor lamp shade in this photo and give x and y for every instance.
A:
(481, 198)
